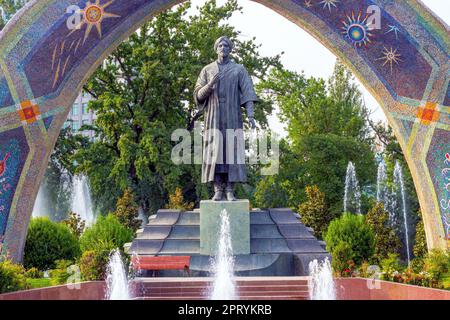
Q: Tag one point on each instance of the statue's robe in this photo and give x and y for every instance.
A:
(223, 110)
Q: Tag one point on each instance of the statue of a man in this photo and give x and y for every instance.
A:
(222, 89)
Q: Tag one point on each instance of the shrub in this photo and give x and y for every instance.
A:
(437, 264)
(314, 211)
(75, 224)
(176, 201)
(12, 277)
(420, 245)
(352, 230)
(386, 240)
(93, 265)
(127, 211)
(61, 273)
(391, 268)
(106, 234)
(342, 261)
(34, 273)
(47, 242)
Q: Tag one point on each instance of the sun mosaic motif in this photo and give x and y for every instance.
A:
(390, 57)
(357, 30)
(93, 15)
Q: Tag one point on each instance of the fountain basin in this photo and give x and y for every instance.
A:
(271, 288)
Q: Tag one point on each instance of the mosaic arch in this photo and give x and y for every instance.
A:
(44, 61)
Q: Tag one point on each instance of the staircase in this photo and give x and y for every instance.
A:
(252, 288)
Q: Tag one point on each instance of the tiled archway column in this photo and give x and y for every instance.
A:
(44, 62)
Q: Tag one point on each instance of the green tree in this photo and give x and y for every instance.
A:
(386, 241)
(8, 8)
(127, 211)
(327, 125)
(285, 189)
(314, 212)
(325, 160)
(143, 92)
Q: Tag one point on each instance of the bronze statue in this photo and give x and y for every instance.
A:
(222, 88)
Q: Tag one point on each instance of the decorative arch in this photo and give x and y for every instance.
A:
(43, 65)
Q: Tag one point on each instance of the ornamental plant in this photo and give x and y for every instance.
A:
(106, 234)
(314, 212)
(47, 242)
(12, 277)
(349, 238)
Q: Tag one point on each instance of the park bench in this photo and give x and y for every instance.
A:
(157, 263)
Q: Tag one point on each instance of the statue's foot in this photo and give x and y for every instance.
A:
(230, 196)
(218, 196)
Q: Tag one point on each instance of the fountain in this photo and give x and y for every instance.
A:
(352, 195)
(382, 187)
(224, 287)
(81, 202)
(399, 186)
(41, 208)
(321, 283)
(117, 281)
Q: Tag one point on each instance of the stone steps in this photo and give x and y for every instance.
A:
(295, 288)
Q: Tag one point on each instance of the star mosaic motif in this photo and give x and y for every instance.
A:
(390, 57)
(329, 4)
(308, 4)
(394, 29)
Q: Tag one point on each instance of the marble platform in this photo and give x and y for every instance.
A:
(280, 245)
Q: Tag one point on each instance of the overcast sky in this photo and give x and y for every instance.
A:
(302, 51)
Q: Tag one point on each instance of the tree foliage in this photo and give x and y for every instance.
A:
(75, 224)
(7, 10)
(323, 119)
(127, 211)
(386, 241)
(314, 212)
(143, 92)
(420, 244)
(176, 201)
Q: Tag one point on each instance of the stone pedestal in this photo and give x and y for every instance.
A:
(239, 216)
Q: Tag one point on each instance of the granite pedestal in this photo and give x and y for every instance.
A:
(239, 217)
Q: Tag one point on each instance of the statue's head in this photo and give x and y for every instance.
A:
(223, 46)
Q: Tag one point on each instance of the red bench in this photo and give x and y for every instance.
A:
(161, 263)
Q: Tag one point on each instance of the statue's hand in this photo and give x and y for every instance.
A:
(214, 80)
(252, 123)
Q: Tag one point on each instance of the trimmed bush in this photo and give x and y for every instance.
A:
(106, 234)
(34, 273)
(350, 229)
(93, 265)
(12, 277)
(47, 242)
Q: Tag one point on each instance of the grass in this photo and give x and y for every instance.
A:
(39, 283)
